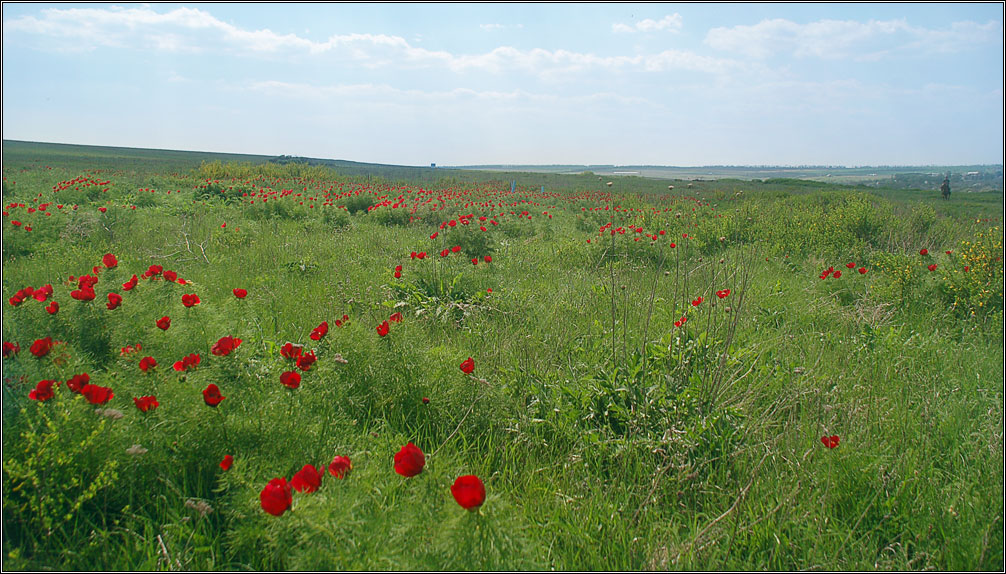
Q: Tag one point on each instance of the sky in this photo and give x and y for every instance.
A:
(466, 84)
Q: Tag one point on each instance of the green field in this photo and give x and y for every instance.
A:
(734, 374)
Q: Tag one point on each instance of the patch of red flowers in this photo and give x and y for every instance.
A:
(97, 395)
(146, 403)
(189, 361)
(319, 331)
(42, 391)
(409, 461)
(212, 396)
(469, 491)
(830, 441)
(305, 361)
(41, 347)
(290, 379)
(225, 346)
(340, 466)
(307, 479)
(291, 351)
(276, 497)
(147, 363)
(77, 383)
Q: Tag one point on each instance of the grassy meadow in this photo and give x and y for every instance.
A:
(667, 375)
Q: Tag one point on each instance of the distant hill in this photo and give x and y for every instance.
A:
(962, 177)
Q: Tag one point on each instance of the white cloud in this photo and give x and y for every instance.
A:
(671, 22)
(835, 39)
(383, 93)
(194, 30)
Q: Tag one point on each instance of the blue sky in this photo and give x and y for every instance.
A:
(660, 84)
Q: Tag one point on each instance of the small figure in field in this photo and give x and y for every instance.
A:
(945, 188)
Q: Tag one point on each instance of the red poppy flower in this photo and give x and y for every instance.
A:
(722, 293)
(469, 491)
(276, 497)
(426, 400)
(308, 479)
(103, 209)
(189, 361)
(41, 347)
(114, 300)
(837, 274)
(77, 383)
(319, 331)
(421, 255)
(146, 403)
(290, 379)
(190, 299)
(395, 317)
(475, 261)
(240, 293)
(225, 345)
(850, 265)
(383, 329)
(862, 270)
(52, 308)
(83, 294)
(226, 463)
(97, 395)
(455, 249)
(291, 351)
(468, 365)
(949, 252)
(212, 396)
(42, 391)
(434, 236)
(697, 302)
(830, 441)
(147, 363)
(171, 276)
(10, 349)
(398, 274)
(42, 294)
(340, 466)
(109, 260)
(128, 285)
(409, 461)
(487, 259)
(305, 361)
(924, 252)
(967, 268)
(164, 323)
(932, 267)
